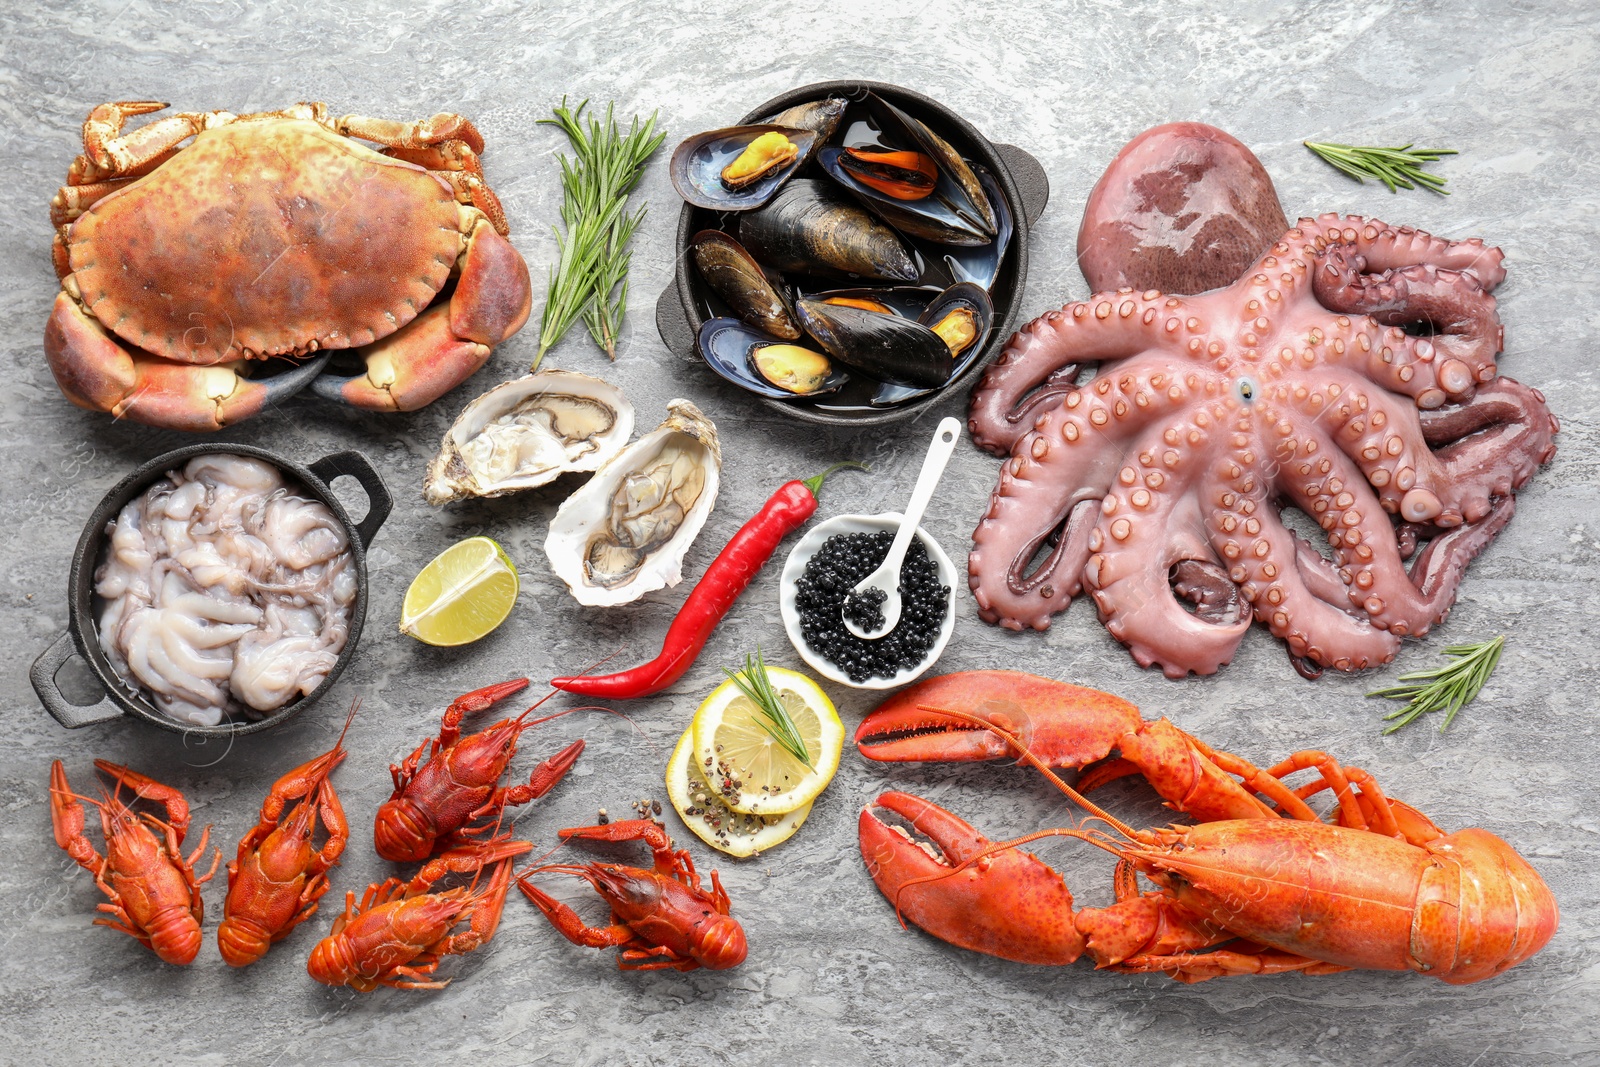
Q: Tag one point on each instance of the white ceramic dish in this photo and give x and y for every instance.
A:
(796, 565)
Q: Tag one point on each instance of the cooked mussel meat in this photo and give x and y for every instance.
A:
(820, 116)
(904, 175)
(865, 303)
(750, 290)
(729, 347)
(791, 368)
(812, 228)
(885, 347)
(760, 157)
(957, 329)
(738, 168)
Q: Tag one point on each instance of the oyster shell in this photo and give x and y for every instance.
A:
(625, 532)
(528, 432)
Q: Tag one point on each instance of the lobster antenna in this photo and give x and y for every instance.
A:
(1039, 765)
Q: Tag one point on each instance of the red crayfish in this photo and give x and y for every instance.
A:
(660, 918)
(1257, 887)
(434, 804)
(155, 895)
(278, 877)
(399, 931)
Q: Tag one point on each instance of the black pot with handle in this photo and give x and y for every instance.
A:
(81, 637)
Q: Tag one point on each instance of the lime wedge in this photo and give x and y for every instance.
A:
(461, 595)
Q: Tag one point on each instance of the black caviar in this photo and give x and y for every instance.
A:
(841, 562)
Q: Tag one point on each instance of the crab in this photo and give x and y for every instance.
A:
(275, 235)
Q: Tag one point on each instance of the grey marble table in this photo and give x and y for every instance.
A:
(831, 978)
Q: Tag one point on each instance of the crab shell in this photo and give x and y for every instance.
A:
(276, 236)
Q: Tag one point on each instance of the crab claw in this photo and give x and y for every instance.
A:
(1064, 725)
(447, 343)
(1008, 904)
(96, 371)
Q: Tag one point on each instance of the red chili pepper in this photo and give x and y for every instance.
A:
(784, 512)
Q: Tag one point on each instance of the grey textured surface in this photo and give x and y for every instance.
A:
(831, 977)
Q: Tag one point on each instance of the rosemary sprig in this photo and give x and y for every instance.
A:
(756, 685)
(594, 254)
(1446, 688)
(1398, 168)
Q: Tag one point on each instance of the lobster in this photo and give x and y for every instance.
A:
(1253, 888)
(398, 933)
(277, 878)
(434, 803)
(155, 894)
(660, 918)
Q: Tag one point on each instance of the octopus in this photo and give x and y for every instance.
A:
(1349, 373)
(224, 591)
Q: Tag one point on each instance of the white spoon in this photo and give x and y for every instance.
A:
(887, 576)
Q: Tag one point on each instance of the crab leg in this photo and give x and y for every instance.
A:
(446, 144)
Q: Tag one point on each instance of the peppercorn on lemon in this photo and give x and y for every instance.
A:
(744, 749)
(712, 821)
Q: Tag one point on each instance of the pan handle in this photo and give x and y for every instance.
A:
(43, 676)
(1033, 185)
(379, 501)
(673, 325)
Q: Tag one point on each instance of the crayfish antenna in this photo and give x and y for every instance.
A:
(1043, 768)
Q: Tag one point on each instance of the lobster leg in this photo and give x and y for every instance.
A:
(146, 788)
(543, 779)
(676, 864)
(67, 819)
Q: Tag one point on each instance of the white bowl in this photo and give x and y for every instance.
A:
(796, 565)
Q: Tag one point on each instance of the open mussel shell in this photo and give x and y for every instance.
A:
(886, 347)
(820, 116)
(957, 211)
(810, 227)
(698, 163)
(979, 264)
(528, 432)
(750, 290)
(729, 348)
(966, 300)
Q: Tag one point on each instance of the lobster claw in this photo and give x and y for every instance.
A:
(1008, 904)
(1064, 725)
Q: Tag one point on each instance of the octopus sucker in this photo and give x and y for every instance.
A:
(1264, 393)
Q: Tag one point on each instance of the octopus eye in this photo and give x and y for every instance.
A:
(1246, 389)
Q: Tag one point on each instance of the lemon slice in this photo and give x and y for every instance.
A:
(712, 821)
(748, 769)
(462, 594)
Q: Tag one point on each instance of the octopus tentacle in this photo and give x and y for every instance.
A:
(1295, 598)
(1144, 531)
(1040, 363)
(1085, 437)
(1384, 355)
(1388, 247)
(1492, 446)
(1467, 331)
(1363, 538)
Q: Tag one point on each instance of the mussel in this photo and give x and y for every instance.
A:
(750, 290)
(820, 116)
(979, 264)
(886, 347)
(764, 365)
(812, 228)
(955, 210)
(961, 317)
(701, 164)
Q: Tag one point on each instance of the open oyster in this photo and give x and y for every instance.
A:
(527, 432)
(625, 533)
